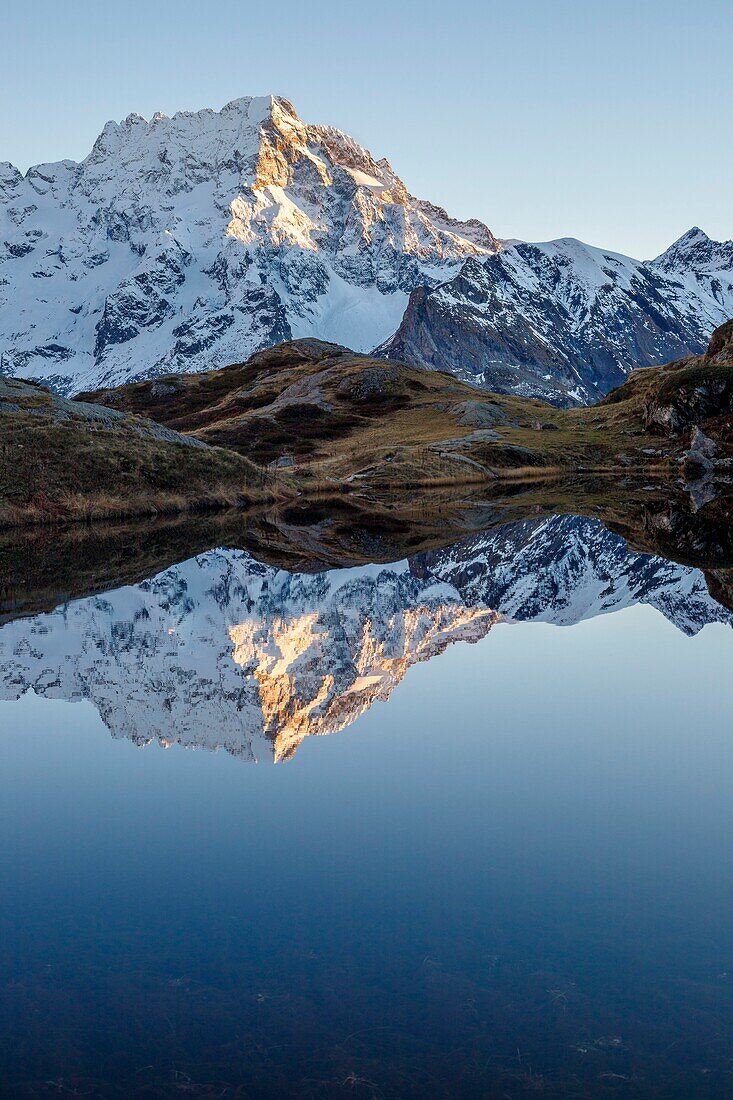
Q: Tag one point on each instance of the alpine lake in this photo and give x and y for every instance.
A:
(304, 805)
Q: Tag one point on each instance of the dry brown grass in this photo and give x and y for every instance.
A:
(55, 467)
(344, 423)
(92, 507)
(349, 420)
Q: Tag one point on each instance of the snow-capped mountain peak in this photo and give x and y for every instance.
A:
(684, 243)
(187, 242)
(697, 255)
(190, 241)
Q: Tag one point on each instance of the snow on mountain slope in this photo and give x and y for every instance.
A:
(221, 651)
(567, 322)
(186, 243)
(701, 272)
(189, 242)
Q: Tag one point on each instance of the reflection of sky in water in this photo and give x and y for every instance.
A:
(527, 847)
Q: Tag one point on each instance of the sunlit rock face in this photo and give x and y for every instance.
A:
(223, 652)
(187, 243)
(318, 671)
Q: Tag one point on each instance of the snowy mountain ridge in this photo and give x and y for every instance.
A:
(565, 321)
(189, 242)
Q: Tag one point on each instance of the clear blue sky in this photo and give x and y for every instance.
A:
(612, 122)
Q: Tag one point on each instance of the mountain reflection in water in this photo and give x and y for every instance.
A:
(222, 651)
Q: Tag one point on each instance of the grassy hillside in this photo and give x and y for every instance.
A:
(62, 459)
(308, 418)
(333, 417)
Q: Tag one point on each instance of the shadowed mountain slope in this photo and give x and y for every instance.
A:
(564, 321)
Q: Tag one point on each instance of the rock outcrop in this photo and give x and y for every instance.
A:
(695, 390)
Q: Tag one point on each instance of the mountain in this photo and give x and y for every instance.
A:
(566, 322)
(190, 242)
(224, 652)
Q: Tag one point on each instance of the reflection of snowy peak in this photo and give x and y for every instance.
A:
(327, 647)
(568, 568)
(221, 651)
(189, 242)
(564, 321)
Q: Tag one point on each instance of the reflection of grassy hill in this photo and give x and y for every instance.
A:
(63, 458)
(41, 568)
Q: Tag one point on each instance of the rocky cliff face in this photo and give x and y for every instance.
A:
(222, 651)
(189, 242)
(695, 390)
(566, 322)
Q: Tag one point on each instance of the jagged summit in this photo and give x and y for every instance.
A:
(186, 242)
(695, 255)
(237, 120)
(190, 241)
(692, 237)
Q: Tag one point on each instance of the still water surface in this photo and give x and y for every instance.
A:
(509, 873)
